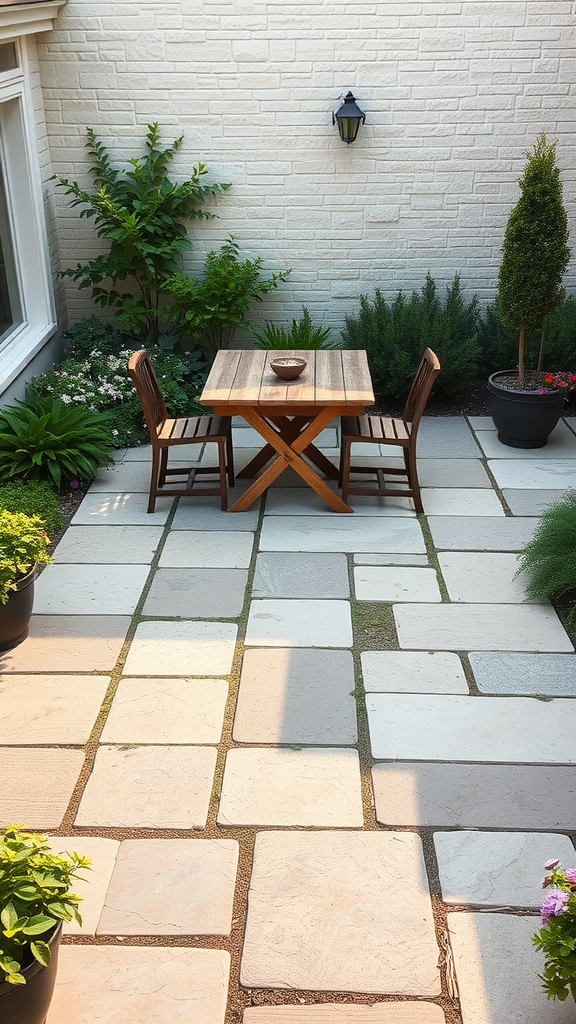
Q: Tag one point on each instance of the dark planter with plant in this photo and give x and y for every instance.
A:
(23, 545)
(35, 899)
(535, 256)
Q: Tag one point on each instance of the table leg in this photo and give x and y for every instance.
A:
(289, 430)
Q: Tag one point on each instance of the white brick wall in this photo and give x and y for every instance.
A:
(454, 93)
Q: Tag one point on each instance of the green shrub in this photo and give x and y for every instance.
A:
(499, 344)
(33, 498)
(302, 335)
(396, 333)
(47, 440)
(92, 334)
(549, 559)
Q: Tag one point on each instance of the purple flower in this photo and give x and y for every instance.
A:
(571, 876)
(554, 904)
(75, 485)
(551, 864)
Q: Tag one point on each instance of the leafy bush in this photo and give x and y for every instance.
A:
(395, 335)
(302, 335)
(33, 498)
(92, 334)
(47, 440)
(549, 559)
(499, 344)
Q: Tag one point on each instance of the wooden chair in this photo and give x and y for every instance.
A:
(394, 431)
(165, 433)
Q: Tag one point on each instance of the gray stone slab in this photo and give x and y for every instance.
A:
(346, 1013)
(395, 583)
(143, 453)
(294, 574)
(530, 502)
(201, 550)
(484, 577)
(91, 885)
(317, 786)
(124, 508)
(167, 711)
(471, 728)
(341, 533)
(37, 784)
(481, 422)
(182, 649)
(367, 559)
(497, 869)
(446, 437)
(463, 501)
(551, 674)
(106, 544)
(171, 887)
(299, 623)
(206, 514)
(535, 473)
(49, 709)
(452, 473)
(296, 696)
(162, 983)
(561, 445)
(68, 643)
(497, 971)
(89, 589)
(475, 796)
(303, 501)
(413, 672)
(480, 533)
(149, 787)
(452, 627)
(126, 476)
(197, 593)
(314, 891)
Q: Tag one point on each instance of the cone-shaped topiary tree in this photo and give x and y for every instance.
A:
(535, 250)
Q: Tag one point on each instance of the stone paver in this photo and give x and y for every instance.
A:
(561, 445)
(524, 474)
(148, 787)
(497, 868)
(121, 509)
(49, 709)
(107, 544)
(447, 437)
(126, 476)
(197, 593)
(550, 674)
(475, 796)
(206, 514)
(413, 672)
(317, 786)
(341, 533)
(484, 576)
(246, 437)
(284, 501)
(497, 970)
(368, 559)
(530, 502)
(58, 643)
(37, 785)
(378, 583)
(296, 696)
(171, 887)
(513, 729)
(167, 711)
(184, 453)
(293, 574)
(314, 891)
(452, 473)
(89, 589)
(299, 624)
(143, 983)
(480, 533)
(445, 501)
(346, 1013)
(480, 627)
(196, 549)
(91, 885)
(182, 648)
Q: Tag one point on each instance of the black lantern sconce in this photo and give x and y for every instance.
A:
(349, 117)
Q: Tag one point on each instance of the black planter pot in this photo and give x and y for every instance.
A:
(29, 1003)
(523, 419)
(15, 615)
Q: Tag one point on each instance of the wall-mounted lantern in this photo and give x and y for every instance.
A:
(349, 117)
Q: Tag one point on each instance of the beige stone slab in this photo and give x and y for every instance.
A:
(172, 887)
(480, 627)
(37, 785)
(299, 623)
(69, 643)
(182, 649)
(346, 1013)
(395, 583)
(121, 509)
(485, 577)
(93, 884)
(340, 911)
(413, 672)
(167, 711)
(49, 709)
(90, 589)
(149, 787)
(139, 984)
(316, 786)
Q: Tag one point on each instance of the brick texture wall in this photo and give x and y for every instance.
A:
(454, 93)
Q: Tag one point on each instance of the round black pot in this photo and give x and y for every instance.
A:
(15, 614)
(523, 419)
(29, 1003)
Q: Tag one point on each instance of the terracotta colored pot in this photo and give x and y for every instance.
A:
(15, 615)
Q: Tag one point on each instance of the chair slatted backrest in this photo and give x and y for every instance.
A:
(419, 393)
(142, 373)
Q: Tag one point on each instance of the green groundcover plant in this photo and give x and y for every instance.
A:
(23, 543)
(549, 558)
(35, 896)
(557, 937)
(33, 498)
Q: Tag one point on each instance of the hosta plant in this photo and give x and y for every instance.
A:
(23, 543)
(557, 937)
(35, 896)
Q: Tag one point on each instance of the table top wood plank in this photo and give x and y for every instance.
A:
(329, 377)
(248, 379)
(273, 388)
(221, 377)
(303, 390)
(357, 380)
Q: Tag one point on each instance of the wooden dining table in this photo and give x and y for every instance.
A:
(289, 415)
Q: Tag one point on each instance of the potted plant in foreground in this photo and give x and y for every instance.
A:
(35, 899)
(557, 937)
(524, 406)
(23, 545)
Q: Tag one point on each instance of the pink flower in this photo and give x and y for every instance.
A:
(571, 876)
(551, 864)
(554, 904)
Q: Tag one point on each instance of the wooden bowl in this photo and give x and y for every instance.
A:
(288, 367)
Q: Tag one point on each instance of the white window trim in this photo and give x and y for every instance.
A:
(24, 19)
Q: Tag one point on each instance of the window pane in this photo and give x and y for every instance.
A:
(10, 311)
(8, 57)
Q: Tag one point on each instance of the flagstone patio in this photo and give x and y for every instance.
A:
(317, 760)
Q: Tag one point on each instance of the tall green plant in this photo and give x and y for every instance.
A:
(535, 251)
(549, 559)
(142, 215)
(303, 334)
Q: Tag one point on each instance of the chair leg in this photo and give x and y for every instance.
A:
(222, 443)
(345, 450)
(153, 480)
(230, 454)
(413, 482)
(163, 467)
